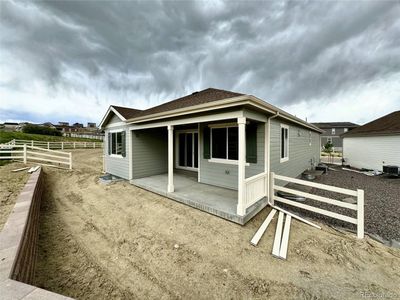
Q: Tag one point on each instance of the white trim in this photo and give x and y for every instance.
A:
(202, 119)
(225, 103)
(198, 151)
(215, 159)
(130, 155)
(286, 158)
(109, 110)
(116, 156)
(226, 161)
(192, 131)
(170, 186)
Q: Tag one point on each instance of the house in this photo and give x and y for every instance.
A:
(332, 132)
(374, 144)
(213, 150)
(10, 126)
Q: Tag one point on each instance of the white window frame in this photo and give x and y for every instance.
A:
(345, 129)
(333, 130)
(111, 154)
(284, 159)
(192, 131)
(329, 140)
(223, 160)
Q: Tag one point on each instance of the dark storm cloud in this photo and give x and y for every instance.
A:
(285, 52)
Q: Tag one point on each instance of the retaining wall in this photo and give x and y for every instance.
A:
(18, 245)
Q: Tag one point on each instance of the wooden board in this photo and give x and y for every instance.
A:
(278, 235)
(285, 238)
(256, 238)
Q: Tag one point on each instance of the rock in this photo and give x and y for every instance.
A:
(176, 246)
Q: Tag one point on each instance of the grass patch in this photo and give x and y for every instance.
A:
(6, 136)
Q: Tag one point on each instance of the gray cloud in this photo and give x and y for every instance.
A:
(282, 52)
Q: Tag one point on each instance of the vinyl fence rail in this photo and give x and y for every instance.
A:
(36, 155)
(58, 145)
(359, 194)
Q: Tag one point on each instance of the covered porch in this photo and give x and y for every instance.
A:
(215, 200)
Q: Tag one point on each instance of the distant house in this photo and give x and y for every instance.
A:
(77, 125)
(332, 132)
(374, 144)
(211, 149)
(63, 123)
(10, 126)
(91, 125)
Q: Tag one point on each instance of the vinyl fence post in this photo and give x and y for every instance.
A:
(48, 145)
(70, 160)
(62, 145)
(271, 188)
(360, 214)
(94, 145)
(85, 144)
(25, 156)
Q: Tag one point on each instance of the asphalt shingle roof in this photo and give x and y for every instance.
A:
(386, 125)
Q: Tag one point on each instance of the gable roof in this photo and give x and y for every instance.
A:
(324, 125)
(126, 112)
(386, 125)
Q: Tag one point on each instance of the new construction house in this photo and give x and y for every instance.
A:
(213, 150)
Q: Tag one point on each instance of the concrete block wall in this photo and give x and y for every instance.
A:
(18, 245)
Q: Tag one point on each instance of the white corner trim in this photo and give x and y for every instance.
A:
(111, 109)
(116, 156)
(226, 161)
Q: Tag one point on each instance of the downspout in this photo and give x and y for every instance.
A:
(268, 167)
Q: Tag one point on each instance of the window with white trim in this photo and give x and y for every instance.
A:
(284, 143)
(333, 130)
(116, 143)
(345, 129)
(225, 143)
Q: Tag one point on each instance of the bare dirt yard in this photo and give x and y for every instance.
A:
(11, 184)
(121, 242)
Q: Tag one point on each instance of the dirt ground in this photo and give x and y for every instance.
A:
(11, 184)
(121, 242)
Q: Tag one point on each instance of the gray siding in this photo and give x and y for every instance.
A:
(114, 119)
(226, 175)
(150, 152)
(118, 166)
(300, 151)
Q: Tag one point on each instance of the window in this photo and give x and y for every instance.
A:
(346, 129)
(117, 143)
(310, 138)
(333, 130)
(329, 140)
(284, 143)
(225, 143)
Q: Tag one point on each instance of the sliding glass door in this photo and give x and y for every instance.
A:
(188, 150)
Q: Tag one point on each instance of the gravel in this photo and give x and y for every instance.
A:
(381, 202)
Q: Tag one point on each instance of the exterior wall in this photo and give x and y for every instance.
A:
(226, 175)
(300, 151)
(118, 166)
(372, 152)
(150, 152)
(336, 141)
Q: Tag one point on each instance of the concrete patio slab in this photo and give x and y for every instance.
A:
(215, 200)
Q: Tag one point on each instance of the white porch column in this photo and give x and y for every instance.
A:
(170, 159)
(241, 208)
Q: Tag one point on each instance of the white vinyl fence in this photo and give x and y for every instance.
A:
(359, 194)
(58, 145)
(37, 155)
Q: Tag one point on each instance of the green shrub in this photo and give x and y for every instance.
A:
(30, 128)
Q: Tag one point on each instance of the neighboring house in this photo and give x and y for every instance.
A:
(10, 126)
(212, 149)
(332, 132)
(374, 144)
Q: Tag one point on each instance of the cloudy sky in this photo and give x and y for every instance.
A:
(327, 61)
